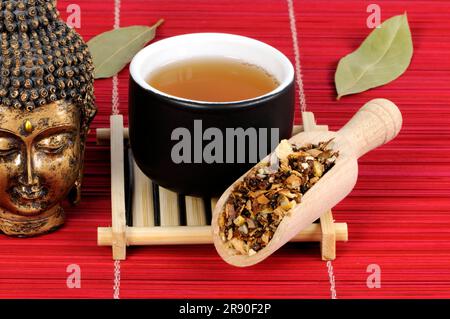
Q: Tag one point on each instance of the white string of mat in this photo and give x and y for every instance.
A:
(302, 99)
(115, 111)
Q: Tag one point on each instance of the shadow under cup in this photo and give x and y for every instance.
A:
(159, 124)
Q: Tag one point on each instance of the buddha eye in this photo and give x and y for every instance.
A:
(8, 146)
(54, 144)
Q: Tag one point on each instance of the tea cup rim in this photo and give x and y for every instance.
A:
(138, 63)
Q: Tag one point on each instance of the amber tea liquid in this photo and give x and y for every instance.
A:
(213, 80)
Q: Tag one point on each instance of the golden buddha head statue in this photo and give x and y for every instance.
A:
(46, 106)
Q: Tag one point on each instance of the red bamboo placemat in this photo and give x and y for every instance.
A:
(398, 213)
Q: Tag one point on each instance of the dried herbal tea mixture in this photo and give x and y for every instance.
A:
(258, 204)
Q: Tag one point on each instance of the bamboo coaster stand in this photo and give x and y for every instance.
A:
(150, 227)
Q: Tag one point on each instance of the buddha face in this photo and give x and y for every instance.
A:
(39, 156)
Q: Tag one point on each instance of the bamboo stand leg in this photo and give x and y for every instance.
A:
(117, 188)
(328, 240)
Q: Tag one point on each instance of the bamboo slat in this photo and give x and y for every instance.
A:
(168, 203)
(195, 211)
(142, 211)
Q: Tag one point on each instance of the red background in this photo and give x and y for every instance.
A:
(398, 213)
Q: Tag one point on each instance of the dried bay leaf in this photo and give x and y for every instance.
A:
(112, 50)
(383, 56)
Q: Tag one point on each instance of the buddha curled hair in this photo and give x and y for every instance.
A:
(42, 60)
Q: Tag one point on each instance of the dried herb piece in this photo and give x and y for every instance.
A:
(383, 56)
(112, 50)
(258, 204)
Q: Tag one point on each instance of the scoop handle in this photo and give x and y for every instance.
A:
(375, 124)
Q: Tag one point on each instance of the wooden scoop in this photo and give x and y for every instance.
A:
(375, 124)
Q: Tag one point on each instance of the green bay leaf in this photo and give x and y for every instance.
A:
(382, 57)
(112, 50)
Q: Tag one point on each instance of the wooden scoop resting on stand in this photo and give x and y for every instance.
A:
(375, 124)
